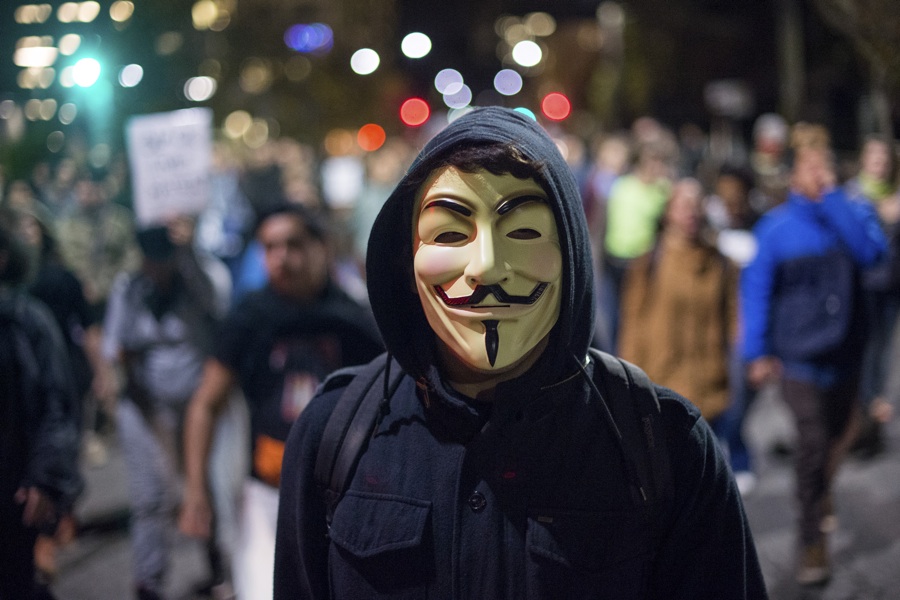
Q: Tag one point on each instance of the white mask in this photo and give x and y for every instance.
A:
(473, 230)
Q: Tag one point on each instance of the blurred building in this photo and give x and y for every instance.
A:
(307, 68)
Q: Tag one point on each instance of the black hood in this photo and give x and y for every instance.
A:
(395, 303)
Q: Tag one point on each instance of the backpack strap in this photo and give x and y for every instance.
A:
(351, 423)
(631, 399)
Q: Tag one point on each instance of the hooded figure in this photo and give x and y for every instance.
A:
(491, 472)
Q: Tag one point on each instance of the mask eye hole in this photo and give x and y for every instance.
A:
(523, 234)
(450, 237)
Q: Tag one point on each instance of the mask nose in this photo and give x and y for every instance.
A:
(486, 264)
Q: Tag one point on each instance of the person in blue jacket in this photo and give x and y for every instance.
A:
(492, 472)
(803, 324)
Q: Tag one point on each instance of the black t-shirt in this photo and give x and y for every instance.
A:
(281, 350)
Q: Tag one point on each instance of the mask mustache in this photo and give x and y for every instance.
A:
(483, 291)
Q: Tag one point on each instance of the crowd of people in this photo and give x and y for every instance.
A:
(718, 269)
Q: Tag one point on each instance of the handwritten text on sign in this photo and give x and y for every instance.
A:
(170, 156)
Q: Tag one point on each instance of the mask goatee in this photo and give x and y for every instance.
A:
(491, 340)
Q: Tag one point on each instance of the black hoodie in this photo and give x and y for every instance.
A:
(525, 497)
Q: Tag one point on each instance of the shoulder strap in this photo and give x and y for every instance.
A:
(635, 409)
(351, 424)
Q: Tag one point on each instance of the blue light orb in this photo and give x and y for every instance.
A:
(314, 38)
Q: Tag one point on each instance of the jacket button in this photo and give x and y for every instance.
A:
(477, 502)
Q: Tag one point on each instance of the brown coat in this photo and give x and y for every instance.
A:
(678, 321)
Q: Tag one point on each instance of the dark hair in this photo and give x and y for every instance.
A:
(742, 174)
(16, 268)
(155, 243)
(499, 158)
(314, 222)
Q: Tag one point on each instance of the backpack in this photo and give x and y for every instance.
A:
(629, 406)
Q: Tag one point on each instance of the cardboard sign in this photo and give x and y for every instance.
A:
(171, 157)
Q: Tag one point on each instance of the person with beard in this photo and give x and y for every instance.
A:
(492, 470)
(278, 343)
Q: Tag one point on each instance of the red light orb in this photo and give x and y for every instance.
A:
(414, 112)
(556, 106)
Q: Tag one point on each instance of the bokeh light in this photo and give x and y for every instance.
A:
(508, 82)
(370, 137)
(237, 123)
(455, 113)
(121, 10)
(556, 106)
(48, 109)
(67, 12)
(33, 109)
(256, 75)
(364, 61)
(69, 43)
(86, 72)
(416, 45)
(527, 112)
(204, 14)
(66, 77)
(199, 89)
(527, 53)
(257, 134)
(131, 75)
(460, 98)
(67, 113)
(28, 14)
(313, 38)
(168, 43)
(88, 11)
(540, 24)
(55, 141)
(414, 112)
(339, 142)
(448, 81)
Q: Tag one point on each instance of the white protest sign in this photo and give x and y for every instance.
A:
(170, 156)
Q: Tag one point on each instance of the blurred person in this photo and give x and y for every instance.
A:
(57, 287)
(768, 160)
(732, 218)
(679, 306)
(804, 324)
(158, 329)
(19, 195)
(96, 241)
(224, 226)
(59, 194)
(39, 473)
(384, 168)
(881, 283)
(278, 343)
(488, 468)
(636, 202)
(610, 162)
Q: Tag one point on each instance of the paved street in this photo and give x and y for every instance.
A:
(866, 545)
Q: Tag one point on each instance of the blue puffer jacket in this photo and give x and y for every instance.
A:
(801, 229)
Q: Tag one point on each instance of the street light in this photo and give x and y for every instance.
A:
(86, 72)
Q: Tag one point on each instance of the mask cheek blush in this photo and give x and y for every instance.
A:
(437, 265)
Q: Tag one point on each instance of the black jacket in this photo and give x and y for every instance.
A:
(39, 444)
(523, 497)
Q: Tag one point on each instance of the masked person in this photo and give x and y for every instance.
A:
(491, 470)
